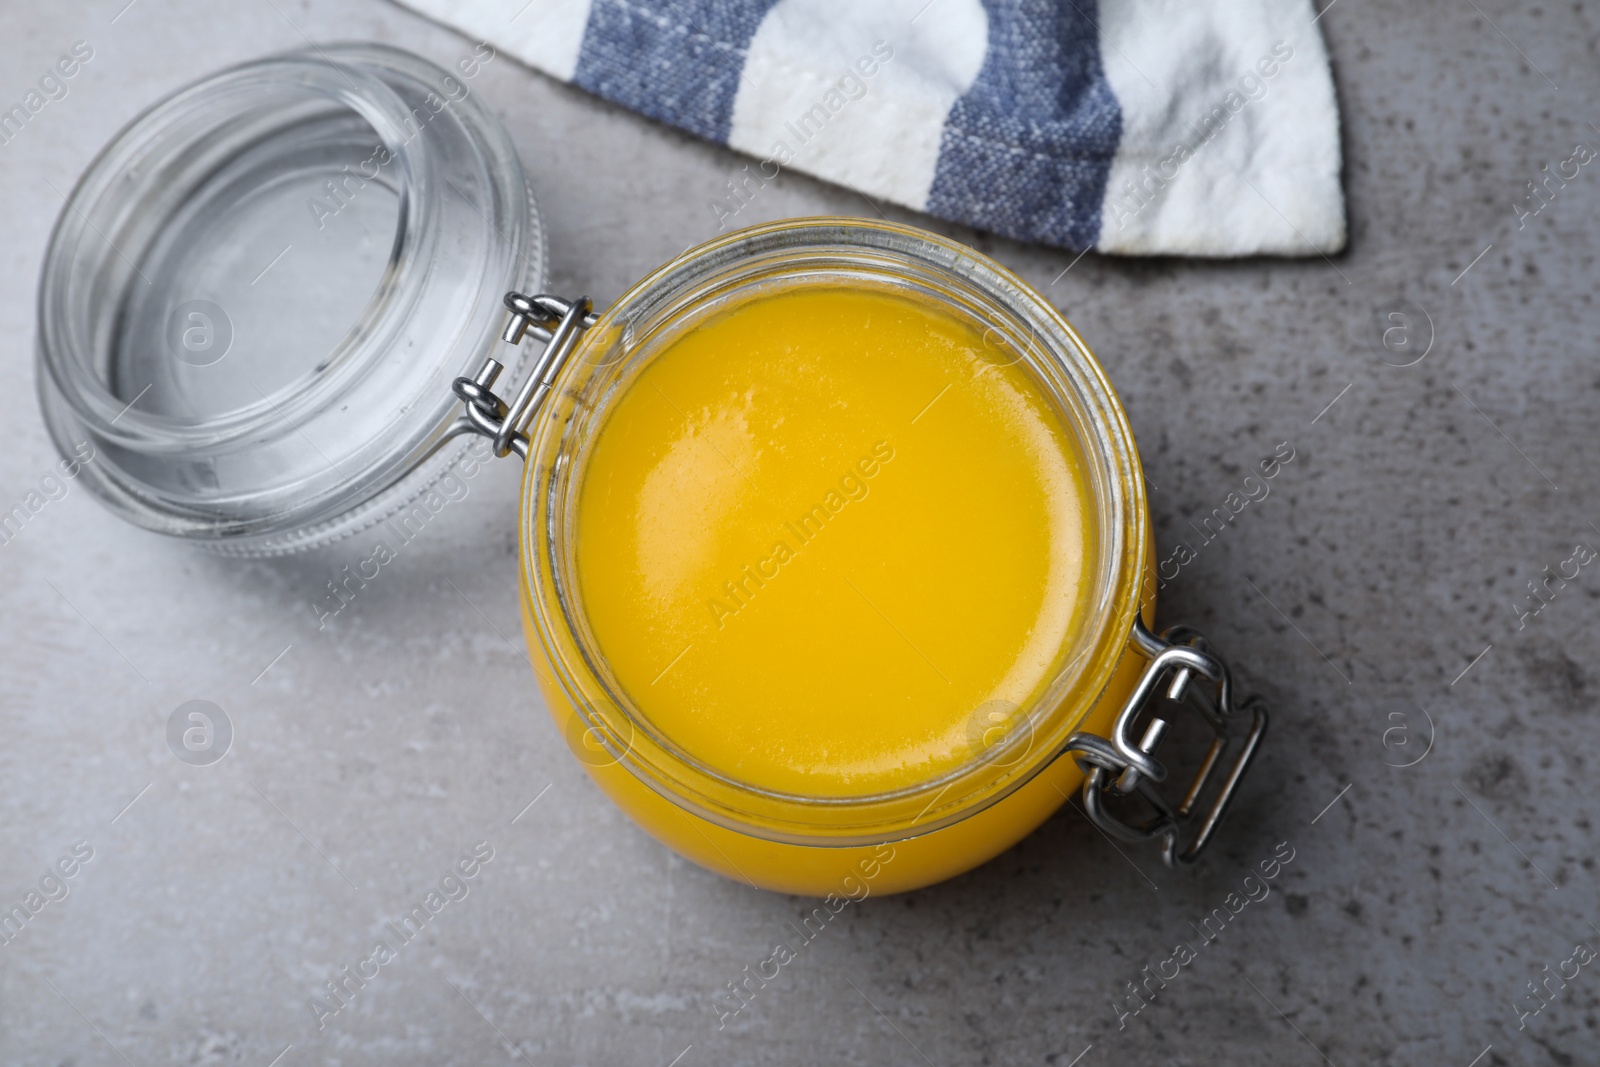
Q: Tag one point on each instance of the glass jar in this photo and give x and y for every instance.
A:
(262, 420)
(260, 291)
(943, 825)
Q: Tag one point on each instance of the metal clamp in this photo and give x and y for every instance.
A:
(1121, 766)
(557, 322)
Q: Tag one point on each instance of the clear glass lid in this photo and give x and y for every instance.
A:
(259, 293)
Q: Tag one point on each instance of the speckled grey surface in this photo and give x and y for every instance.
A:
(1388, 559)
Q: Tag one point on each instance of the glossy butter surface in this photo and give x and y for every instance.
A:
(830, 539)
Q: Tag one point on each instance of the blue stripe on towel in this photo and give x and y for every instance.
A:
(678, 61)
(1027, 151)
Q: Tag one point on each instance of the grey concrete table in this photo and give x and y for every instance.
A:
(1378, 597)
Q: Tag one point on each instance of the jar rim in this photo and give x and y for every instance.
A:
(564, 431)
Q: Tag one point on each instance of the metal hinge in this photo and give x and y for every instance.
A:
(1119, 766)
(557, 322)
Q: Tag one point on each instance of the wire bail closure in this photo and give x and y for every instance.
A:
(557, 322)
(1122, 766)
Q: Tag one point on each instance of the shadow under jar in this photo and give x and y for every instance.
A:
(835, 559)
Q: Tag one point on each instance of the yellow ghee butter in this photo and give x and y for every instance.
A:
(824, 535)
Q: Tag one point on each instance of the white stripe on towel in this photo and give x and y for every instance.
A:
(1171, 63)
(885, 141)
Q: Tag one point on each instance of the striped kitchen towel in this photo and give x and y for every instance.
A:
(1143, 127)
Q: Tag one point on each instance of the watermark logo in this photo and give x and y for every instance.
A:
(1002, 345)
(1542, 590)
(1139, 193)
(52, 888)
(1252, 490)
(199, 733)
(855, 886)
(1541, 994)
(453, 887)
(199, 332)
(1543, 190)
(1399, 740)
(340, 192)
(1400, 333)
(1003, 728)
(853, 485)
(51, 489)
(53, 86)
(398, 531)
(595, 742)
(1139, 993)
(805, 127)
